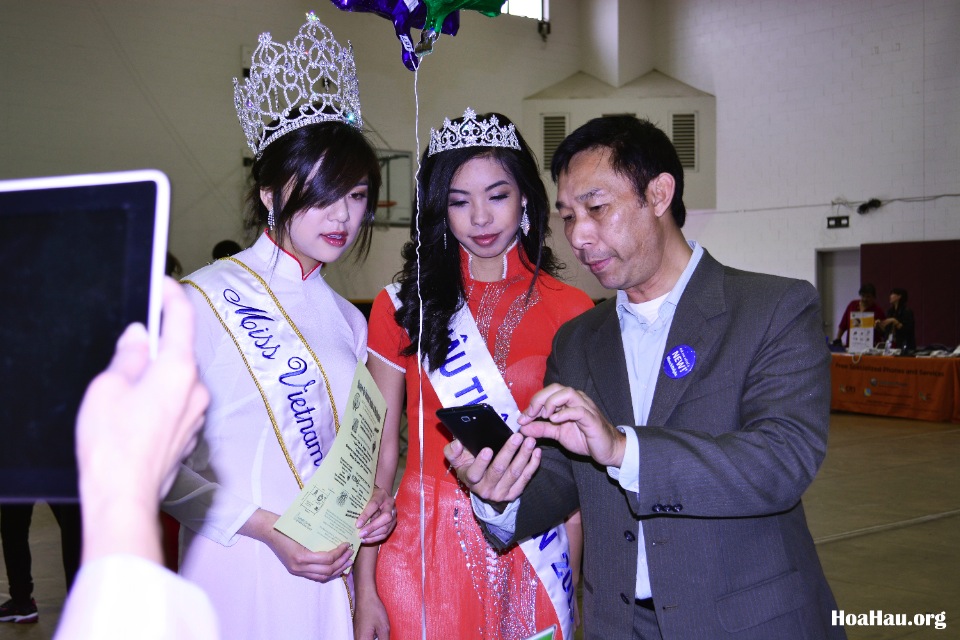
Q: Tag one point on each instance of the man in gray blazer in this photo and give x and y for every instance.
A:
(693, 525)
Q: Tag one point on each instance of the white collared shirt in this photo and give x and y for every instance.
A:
(644, 344)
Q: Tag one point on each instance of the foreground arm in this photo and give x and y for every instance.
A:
(121, 537)
(119, 596)
(136, 422)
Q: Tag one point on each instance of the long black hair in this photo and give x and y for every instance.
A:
(440, 271)
(286, 165)
(902, 303)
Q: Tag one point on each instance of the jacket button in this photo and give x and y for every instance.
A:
(629, 536)
(657, 508)
(678, 507)
(625, 599)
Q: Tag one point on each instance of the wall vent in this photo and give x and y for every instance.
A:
(554, 129)
(685, 139)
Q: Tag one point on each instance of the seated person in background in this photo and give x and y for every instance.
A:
(899, 321)
(866, 302)
(137, 421)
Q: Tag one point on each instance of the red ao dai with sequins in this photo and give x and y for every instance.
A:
(472, 591)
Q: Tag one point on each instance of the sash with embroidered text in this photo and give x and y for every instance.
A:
(470, 376)
(290, 378)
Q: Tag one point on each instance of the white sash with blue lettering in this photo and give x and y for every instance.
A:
(470, 376)
(287, 373)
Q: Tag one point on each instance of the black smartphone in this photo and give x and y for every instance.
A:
(476, 426)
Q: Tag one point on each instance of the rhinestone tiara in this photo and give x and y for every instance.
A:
(472, 133)
(311, 79)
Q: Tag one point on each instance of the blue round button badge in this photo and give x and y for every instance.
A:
(679, 362)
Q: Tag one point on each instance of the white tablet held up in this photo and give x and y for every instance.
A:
(81, 257)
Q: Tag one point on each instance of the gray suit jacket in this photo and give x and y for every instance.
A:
(728, 452)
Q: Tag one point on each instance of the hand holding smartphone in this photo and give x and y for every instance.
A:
(476, 426)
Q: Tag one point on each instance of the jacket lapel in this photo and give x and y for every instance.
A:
(608, 367)
(701, 300)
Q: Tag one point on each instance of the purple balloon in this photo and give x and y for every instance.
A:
(416, 20)
(383, 8)
(403, 19)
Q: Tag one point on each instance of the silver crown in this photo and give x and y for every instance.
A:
(312, 79)
(472, 133)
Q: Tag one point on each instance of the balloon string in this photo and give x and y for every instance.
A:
(423, 552)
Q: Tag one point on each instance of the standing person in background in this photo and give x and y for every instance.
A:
(866, 302)
(692, 410)
(491, 303)
(277, 349)
(900, 321)
(15, 519)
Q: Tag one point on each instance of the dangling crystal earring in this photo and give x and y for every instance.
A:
(271, 220)
(444, 234)
(525, 221)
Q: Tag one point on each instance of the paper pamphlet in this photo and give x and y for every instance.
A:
(861, 331)
(325, 513)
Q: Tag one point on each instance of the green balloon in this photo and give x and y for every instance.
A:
(438, 10)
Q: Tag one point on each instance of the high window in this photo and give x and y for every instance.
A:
(535, 9)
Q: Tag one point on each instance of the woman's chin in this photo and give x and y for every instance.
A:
(487, 252)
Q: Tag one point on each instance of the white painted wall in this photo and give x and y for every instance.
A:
(816, 100)
(838, 281)
(600, 37)
(100, 85)
(699, 185)
(637, 54)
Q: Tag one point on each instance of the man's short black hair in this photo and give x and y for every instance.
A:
(867, 289)
(638, 150)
